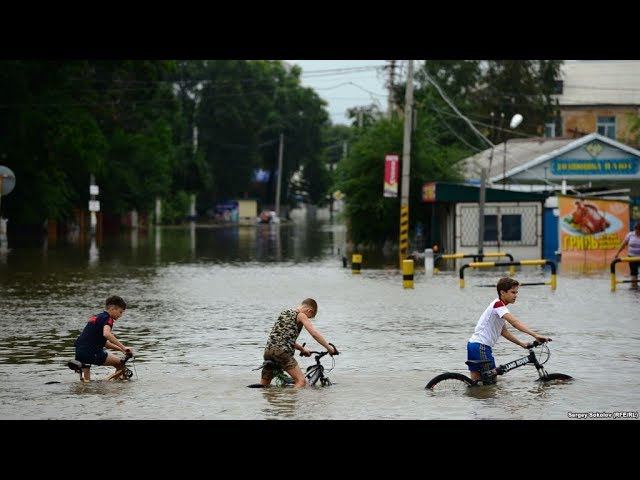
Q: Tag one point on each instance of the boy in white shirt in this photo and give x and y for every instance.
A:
(491, 326)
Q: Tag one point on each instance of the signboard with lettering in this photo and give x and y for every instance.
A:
(617, 166)
(591, 230)
(391, 161)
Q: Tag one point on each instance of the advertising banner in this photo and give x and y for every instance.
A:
(590, 231)
(391, 162)
(429, 192)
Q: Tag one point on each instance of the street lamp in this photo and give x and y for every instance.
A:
(515, 121)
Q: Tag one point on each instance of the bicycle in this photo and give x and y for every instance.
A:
(313, 375)
(123, 373)
(455, 381)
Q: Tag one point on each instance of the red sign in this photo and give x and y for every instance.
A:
(429, 192)
(391, 162)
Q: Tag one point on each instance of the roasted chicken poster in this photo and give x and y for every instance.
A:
(591, 229)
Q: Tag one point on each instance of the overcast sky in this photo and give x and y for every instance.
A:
(342, 87)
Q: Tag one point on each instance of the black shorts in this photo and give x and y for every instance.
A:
(91, 355)
(633, 266)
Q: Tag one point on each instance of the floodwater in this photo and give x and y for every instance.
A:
(202, 302)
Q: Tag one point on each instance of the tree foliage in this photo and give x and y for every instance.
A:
(150, 129)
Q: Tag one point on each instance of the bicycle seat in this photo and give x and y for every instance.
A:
(77, 366)
(469, 362)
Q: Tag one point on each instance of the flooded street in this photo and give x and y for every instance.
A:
(201, 302)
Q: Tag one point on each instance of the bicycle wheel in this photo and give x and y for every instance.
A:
(449, 382)
(555, 376)
(313, 374)
(281, 379)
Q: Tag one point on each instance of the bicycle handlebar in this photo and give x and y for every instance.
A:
(536, 343)
(321, 354)
(127, 356)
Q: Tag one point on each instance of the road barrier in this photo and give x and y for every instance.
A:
(551, 282)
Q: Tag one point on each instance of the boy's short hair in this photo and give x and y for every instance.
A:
(310, 302)
(116, 301)
(505, 284)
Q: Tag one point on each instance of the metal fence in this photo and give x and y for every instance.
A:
(510, 225)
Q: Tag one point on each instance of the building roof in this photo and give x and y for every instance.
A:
(455, 193)
(524, 154)
(518, 152)
(600, 82)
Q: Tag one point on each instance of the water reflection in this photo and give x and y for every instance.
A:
(158, 239)
(94, 253)
(202, 302)
(282, 402)
(192, 237)
(4, 245)
(134, 240)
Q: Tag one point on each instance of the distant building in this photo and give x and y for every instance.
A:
(593, 165)
(597, 96)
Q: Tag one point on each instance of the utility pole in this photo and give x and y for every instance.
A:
(406, 159)
(390, 85)
(278, 187)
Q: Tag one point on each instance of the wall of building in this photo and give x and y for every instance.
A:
(585, 120)
(530, 245)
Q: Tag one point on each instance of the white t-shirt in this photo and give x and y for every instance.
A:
(489, 326)
(634, 244)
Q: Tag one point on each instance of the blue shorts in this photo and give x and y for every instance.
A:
(91, 355)
(479, 352)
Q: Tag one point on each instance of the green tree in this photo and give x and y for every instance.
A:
(244, 107)
(373, 218)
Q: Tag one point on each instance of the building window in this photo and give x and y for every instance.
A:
(550, 129)
(607, 127)
(505, 224)
(490, 228)
(511, 228)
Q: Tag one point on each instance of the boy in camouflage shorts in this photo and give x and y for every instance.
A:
(282, 344)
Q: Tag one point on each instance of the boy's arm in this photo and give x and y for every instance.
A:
(106, 331)
(624, 244)
(314, 333)
(523, 328)
(512, 338)
(111, 346)
(304, 351)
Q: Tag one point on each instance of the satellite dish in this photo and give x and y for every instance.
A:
(515, 120)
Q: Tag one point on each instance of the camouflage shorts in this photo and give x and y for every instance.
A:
(282, 358)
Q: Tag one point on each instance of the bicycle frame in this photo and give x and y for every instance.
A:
(311, 376)
(313, 373)
(488, 376)
(123, 373)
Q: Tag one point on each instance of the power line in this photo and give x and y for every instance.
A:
(450, 103)
(458, 136)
